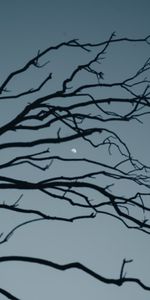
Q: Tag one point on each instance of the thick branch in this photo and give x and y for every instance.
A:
(75, 265)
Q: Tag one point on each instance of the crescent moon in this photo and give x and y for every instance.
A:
(74, 150)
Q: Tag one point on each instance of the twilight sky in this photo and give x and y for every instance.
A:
(102, 243)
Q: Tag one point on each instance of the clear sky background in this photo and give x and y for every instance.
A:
(102, 243)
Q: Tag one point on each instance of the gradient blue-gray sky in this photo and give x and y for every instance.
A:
(25, 27)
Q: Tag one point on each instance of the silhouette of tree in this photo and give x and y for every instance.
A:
(74, 104)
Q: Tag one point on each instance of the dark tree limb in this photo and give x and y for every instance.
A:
(8, 295)
(80, 109)
(77, 265)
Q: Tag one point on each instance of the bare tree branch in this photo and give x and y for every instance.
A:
(77, 265)
(87, 108)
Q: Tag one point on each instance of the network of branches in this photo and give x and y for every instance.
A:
(75, 105)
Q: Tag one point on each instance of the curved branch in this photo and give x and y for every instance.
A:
(76, 265)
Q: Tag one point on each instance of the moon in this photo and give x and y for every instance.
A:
(74, 150)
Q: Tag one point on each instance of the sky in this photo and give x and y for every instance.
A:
(101, 243)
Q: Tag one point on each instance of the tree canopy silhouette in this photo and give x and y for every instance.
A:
(80, 104)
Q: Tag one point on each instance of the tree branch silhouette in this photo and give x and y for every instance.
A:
(79, 108)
